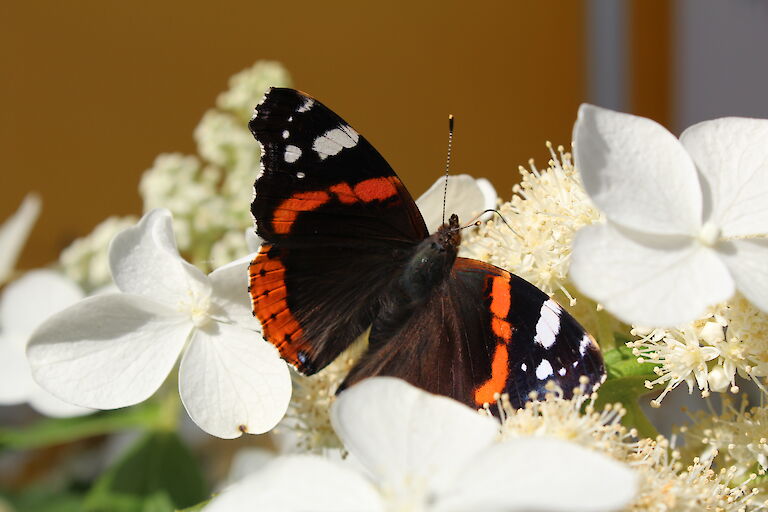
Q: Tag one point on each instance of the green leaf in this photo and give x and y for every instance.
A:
(43, 500)
(52, 431)
(158, 474)
(625, 384)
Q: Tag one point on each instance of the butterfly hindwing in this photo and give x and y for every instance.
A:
(337, 222)
(510, 337)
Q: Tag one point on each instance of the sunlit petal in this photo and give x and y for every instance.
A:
(233, 382)
(645, 279)
(731, 155)
(107, 351)
(405, 436)
(748, 262)
(544, 475)
(145, 261)
(230, 293)
(636, 172)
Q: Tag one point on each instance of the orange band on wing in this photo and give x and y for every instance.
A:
(500, 297)
(270, 305)
(487, 392)
(377, 189)
(344, 193)
(286, 213)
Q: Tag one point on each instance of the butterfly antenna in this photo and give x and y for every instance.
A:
(476, 221)
(448, 161)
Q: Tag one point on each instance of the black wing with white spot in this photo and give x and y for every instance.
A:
(322, 182)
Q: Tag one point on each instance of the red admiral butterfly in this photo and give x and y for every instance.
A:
(347, 249)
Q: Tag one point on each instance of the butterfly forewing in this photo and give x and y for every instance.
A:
(336, 221)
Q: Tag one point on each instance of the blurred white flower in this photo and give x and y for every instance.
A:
(209, 195)
(686, 219)
(247, 88)
(115, 350)
(411, 450)
(466, 196)
(24, 305)
(14, 232)
(86, 259)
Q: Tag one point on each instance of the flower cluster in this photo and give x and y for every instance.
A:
(207, 193)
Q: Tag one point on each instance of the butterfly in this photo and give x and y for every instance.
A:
(346, 250)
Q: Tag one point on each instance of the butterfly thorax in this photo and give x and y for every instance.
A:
(430, 263)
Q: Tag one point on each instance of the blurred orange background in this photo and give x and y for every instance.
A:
(93, 91)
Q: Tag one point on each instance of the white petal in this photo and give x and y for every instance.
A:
(748, 262)
(731, 155)
(14, 232)
(544, 475)
(300, 483)
(636, 172)
(232, 381)
(145, 261)
(45, 403)
(252, 240)
(646, 279)
(466, 197)
(16, 382)
(34, 297)
(107, 351)
(230, 293)
(403, 434)
(248, 461)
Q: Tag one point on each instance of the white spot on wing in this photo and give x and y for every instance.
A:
(300, 175)
(523, 367)
(285, 134)
(585, 342)
(333, 141)
(306, 105)
(561, 371)
(544, 370)
(549, 324)
(292, 153)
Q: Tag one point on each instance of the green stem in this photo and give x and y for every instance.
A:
(51, 431)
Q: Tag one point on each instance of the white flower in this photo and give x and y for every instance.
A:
(686, 219)
(413, 451)
(116, 350)
(14, 232)
(466, 196)
(24, 305)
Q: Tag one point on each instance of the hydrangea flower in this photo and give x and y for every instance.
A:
(115, 350)
(14, 232)
(687, 219)
(24, 305)
(411, 450)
